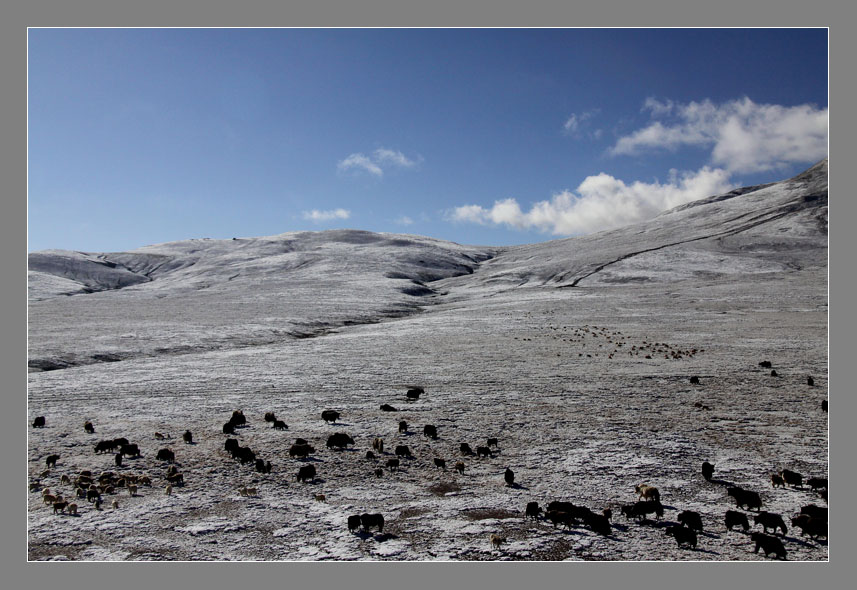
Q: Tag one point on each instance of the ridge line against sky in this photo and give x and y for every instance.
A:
(142, 136)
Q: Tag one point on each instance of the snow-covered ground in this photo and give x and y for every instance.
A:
(542, 346)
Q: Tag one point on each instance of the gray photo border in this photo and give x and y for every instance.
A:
(18, 573)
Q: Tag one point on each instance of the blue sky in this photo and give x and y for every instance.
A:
(479, 136)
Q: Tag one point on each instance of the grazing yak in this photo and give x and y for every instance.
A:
(301, 450)
(483, 452)
(307, 472)
(270, 417)
(745, 498)
(166, 455)
(558, 517)
(817, 482)
(403, 451)
(370, 456)
(639, 510)
(379, 472)
(176, 479)
(388, 408)
(777, 481)
(496, 541)
(532, 511)
(459, 467)
(301, 441)
(372, 520)
(330, 416)
(810, 381)
(694, 380)
(465, 450)
(509, 476)
(403, 427)
(809, 525)
(707, 470)
(353, 523)
(263, 466)
(682, 535)
(647, 492)
(339, 440)
(39, 422)
(430, 431)
(105, 446)
(51, 460)
(229, 428)
(378, 445)
(768, 544)
(187, 437)
(735, 518)
(280, 425)
(393, 463)
(774, 373)
(492, 442)
(598, 523)
(691, 520)
(765, 364)
(441, 463)
(88, 427)
(792, 478)
(231, 444)
(238, 418)
(132, 450)
(770, 519)
(414, 393)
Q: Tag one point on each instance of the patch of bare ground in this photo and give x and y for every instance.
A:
(444, 488)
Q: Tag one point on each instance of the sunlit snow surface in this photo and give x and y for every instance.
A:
(519, 343)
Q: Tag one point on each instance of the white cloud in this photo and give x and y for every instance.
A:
(318, 216)
(377, 161)
(600, 202)
(405, 220)
(573, 124)
(744, 136)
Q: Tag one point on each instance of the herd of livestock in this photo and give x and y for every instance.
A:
(811, 519)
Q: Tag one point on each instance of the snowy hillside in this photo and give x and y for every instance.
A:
(576, 354)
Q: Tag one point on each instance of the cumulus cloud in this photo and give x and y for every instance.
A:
(600, 202)
(316, 215)
(743, 136)
(376, 162)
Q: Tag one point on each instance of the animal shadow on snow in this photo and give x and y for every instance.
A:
(380, 537)
(804, 543)
(517, 486)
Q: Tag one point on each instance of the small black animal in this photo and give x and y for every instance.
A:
(280, 425)
(809, 525)
(691, 520)
(774, 373)
(388, 408)
(403, 451)
(370, 455)
(707, 470)
(815, 511)
(187, 437)
(302, 451)
(231, 444)
(441, 463)
(639, 510)
(745, 498)
(104, 446)
(414, 393)
(353, 523)
(117, 459)
(229, 428)
(768, 544)
(810, 381)
(51, 460)
(599, 523)
(533, 511)
(682, 535)
(39, 422)
(238, 418)
(379, 472)
(88, 427)
(339, 440)
(509, 476)
(694, 380)
(132, 450)
(483, 452)
(735, 518)
(430, 431)
(792, 478)
(765, 364)
(465, 450)
(769, 519)
(824, 405)
(393, 464)
(492, 442)
(817, 482)
(403, 426)
(330, 416)
(270, 417)
(166, 455)
(307, 472)
(372, 520)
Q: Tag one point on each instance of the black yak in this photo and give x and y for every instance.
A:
(792, 478)
(39, 422)
(403, 451)
(330, 416)
(532, 510)
(769, 519)
(131, 450)
(440, 463)
(388, 408)
(465, 450)
(682, 535)
(768, 544)
(298, 450)
(403, 426)
(691, 520)
(353, 523)
(735, 518)
(414, 393)
(707, 470)
(270, 417)
(339, 440)
(393, 464)
(166, 455)
(51, 460)
(280, 425)
(817, 482)
(483, 452)
(88, 427)
(430, 431)
(307, 472)
(509, 476)
(229, 428)
(809, 525)
(372, 520)
(187, 437)
(745, 498)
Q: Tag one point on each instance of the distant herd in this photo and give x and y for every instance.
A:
(811, 520)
